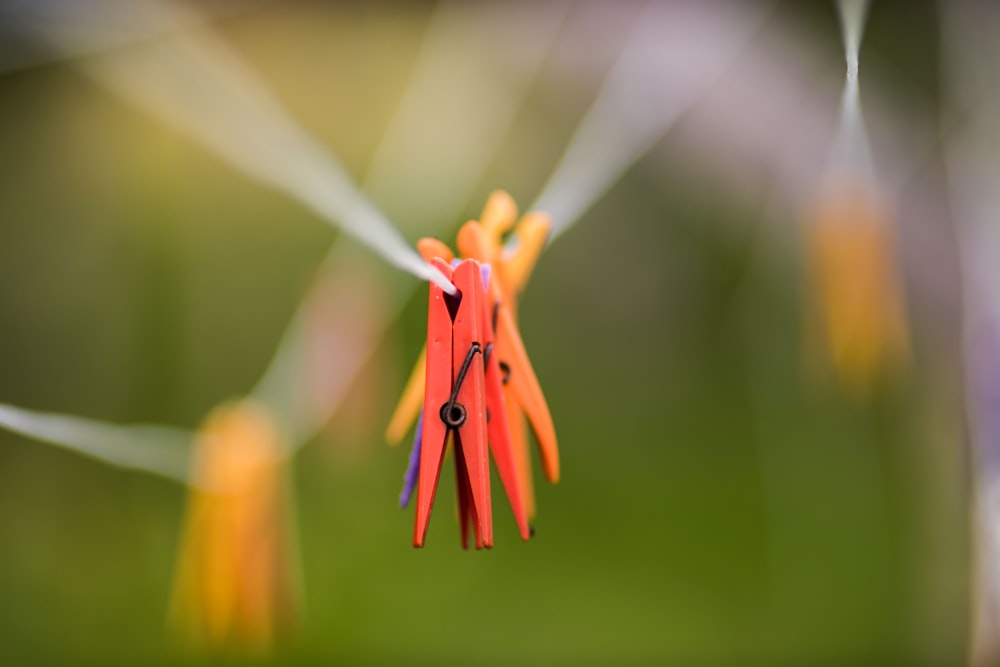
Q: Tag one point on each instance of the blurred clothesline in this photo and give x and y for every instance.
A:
(301, 392)
(246, 126)
(766, 113)
(180, 72)
(970, 36)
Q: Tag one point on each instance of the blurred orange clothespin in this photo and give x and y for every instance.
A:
(233, 588)
(858, 303)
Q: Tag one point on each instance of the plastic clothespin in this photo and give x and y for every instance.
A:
(513, 391)
(413, 394)
(455, 403)
(473, 241)
(499, 439)
(512, 266)
(497, 426)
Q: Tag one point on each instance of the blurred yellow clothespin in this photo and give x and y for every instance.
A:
(234, 585)
(857, 302)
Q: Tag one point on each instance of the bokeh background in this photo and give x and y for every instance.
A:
(723, 501)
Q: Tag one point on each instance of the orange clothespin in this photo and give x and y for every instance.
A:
(497, 427)
(413, 394)
(513, 264)
(513, 267)
(520, 376)
(234, 589)
(857, 305)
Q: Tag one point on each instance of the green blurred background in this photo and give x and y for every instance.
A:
(719, 505)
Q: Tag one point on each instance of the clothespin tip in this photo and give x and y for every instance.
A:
(439, 279)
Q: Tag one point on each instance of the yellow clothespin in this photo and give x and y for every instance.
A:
(233, 589)
(858, 303)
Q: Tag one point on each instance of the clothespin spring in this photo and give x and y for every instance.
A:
(453, 413)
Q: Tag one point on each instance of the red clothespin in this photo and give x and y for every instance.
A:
(462, 379)
(497, 426)
(511, 393)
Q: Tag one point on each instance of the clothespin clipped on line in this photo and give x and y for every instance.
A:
(511, 388)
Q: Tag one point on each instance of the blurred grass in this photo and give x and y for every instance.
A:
(715, 508)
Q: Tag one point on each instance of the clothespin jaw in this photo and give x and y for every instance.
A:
(455, 400)
(466, 509)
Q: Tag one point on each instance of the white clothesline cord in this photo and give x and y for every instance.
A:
(190, 79)
(163, 450)
(160, 450)
(851, 149)
(477, 64)
(673, 55)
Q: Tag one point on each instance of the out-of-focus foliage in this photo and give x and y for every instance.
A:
(715, 506)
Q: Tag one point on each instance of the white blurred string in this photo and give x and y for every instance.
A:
(851, 149)
(449, 125)
(479, 128)
(674, 53)
(229, 110)
(852, 24)
(160, 450)
(190, 79)
(475, 67)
